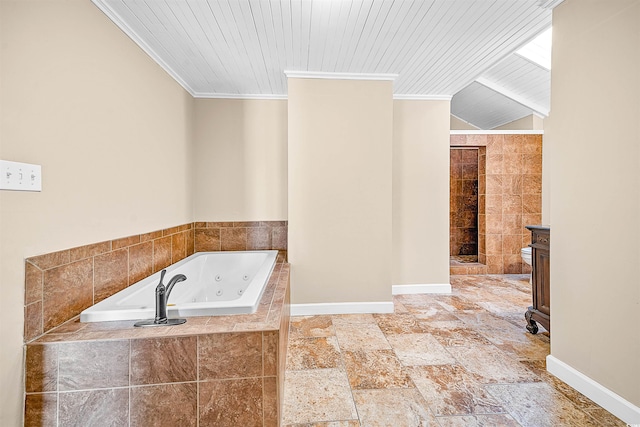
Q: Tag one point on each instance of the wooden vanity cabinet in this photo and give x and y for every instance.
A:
(540, 311)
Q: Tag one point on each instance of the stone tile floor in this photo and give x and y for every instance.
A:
(463, 359)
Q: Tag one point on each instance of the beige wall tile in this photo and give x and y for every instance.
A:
(125, 242)
(512, 224)
(93, 364)
(511, 244)
(161, 253)
(270, 401)
(512, 163)
(163, 360)
(33, 279)
(67, 291)
(230, 355)
(512, 184)
(178, 246)
(532, 164)
(151, 236)
(111, 274)
(94, 407)
(88, 251)
(41, 368)
(50, 260)
(532, 203)
(258, 238)
(140, 261)
(166, 404)
(41, 410)
(494, 244)
(494, 184)
(495, 144)
(33, 324)
(270, 354)
(207, 239)
(233, 239)
(230, 403)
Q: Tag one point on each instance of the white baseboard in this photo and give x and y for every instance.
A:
(341, 308)
(433, 288)
(617, 405)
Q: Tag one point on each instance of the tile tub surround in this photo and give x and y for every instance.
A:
(219, 370)
(240, 236)
(510, 196)
(59, 285)
(463, 359)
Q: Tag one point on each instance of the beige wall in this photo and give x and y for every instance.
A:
(111, 131)
(459, 124)
(420, 192)
(340, 148)
(530, 122)
(240, 160)
(595, 170)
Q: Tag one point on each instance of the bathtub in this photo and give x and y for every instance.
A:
(218, 283)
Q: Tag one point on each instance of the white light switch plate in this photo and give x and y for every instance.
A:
(20, 176)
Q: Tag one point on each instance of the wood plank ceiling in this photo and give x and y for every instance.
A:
(242, 47)
(516, 87)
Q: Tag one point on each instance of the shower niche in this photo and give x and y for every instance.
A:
(463, 204)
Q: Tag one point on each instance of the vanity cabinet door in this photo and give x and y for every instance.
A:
(541, 282)
(540, 311)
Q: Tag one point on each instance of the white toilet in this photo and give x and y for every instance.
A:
(526, 257)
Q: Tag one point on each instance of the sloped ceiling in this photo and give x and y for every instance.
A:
(486, 108)
(518, 86)
(241, 48)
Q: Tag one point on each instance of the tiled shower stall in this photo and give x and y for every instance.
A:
(509, 198)
(463, 203)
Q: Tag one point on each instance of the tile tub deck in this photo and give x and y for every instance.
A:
(218, 370)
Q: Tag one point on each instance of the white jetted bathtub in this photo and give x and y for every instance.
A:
(218, 283)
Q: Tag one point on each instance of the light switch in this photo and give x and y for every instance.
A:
(20, 176)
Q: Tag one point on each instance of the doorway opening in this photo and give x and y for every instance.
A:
(463, 205)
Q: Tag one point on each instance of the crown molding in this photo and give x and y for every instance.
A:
(400, 97)
(338, 76)
(265, 96)
(120, 23)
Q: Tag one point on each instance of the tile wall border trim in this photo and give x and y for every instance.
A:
(428, 288)
(617, 405)
(341, 308)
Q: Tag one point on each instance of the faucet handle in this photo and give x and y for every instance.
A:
(160, 289)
